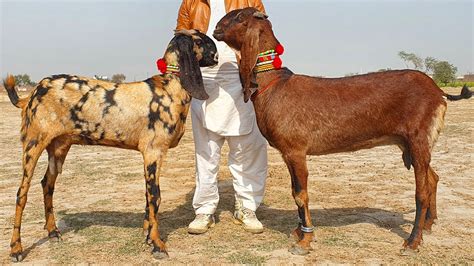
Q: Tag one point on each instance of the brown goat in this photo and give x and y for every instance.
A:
(147, 116)
(301, 115)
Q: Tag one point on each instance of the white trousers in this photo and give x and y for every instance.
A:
(247, 162)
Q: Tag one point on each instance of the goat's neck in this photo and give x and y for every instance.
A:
(268, 81)
(267, 41)
(266, 77)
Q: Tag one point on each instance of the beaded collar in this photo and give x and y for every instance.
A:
(269, 60)
(165, 68)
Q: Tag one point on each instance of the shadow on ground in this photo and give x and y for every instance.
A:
(273, 219)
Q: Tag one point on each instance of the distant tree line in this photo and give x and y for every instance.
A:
(118, 78)
(441, 71)
(24, 80)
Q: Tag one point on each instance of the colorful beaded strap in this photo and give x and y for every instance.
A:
(269, 60)
(165, 68)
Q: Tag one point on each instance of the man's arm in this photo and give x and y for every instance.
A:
(183, 22)
(259, 6)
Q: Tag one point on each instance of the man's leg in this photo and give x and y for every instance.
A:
(248, 165)
(207, 155)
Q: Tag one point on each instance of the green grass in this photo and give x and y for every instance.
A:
(246, 257)
(277, 242)
(470, 84)
(341, 240)
(96, 234)
(132, 242)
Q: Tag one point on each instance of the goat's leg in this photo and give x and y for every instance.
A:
(57, 152)
(431, 214)
(423, 192)
(153, 161)
(31, 152)
(146, 219)
(296, 164)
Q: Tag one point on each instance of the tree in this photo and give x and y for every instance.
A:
(24, 80)
(118, 78)
(430, 63)
(444, 72)
(411, 58)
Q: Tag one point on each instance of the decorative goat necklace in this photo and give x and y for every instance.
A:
(266, 61)
(165, 68)
(269, 60)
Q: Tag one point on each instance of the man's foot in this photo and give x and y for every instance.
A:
(201, 224)
(248, 220)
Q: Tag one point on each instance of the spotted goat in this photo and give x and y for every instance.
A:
(147, 116)
(301, 115)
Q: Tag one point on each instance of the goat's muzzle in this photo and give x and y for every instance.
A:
(218, 34)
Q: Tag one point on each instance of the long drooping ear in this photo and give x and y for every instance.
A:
(248, 53)
(190, 73)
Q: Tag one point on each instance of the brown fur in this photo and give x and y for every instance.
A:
(64, 110)
(301, 115)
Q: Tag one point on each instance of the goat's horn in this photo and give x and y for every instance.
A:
(261, 15)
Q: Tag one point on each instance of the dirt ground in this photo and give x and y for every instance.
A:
(362, 205)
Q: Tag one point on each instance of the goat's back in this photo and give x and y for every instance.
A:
(325, 115)
(104, 112)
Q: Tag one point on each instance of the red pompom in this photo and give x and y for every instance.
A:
(279, 49)
(161, 64)
(277, 62)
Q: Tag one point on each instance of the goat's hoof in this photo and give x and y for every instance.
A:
(298, 250)
(160, 254)
(16, 257)
(55, 236)
(148, 240)
(409, 251)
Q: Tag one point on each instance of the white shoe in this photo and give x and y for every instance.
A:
(247, 219)
(201, 224)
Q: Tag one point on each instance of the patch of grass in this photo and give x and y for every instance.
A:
(340, 241)
(246, 257)
(215, 250)
(277, 242)
(131, 243)
(100, 203)
(96, 234)
(457, 84)
(63, 252)
(100, 243)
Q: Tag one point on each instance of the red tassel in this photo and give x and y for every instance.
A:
(277, 62)
(279, 49)
(161, 64)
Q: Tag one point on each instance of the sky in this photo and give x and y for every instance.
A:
(321, 37)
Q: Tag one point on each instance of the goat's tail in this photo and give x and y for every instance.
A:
(465, 94)
(9, 84)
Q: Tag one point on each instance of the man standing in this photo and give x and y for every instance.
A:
(224, 116)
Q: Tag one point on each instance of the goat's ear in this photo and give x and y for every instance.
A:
(249, 53)
(190, 73)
